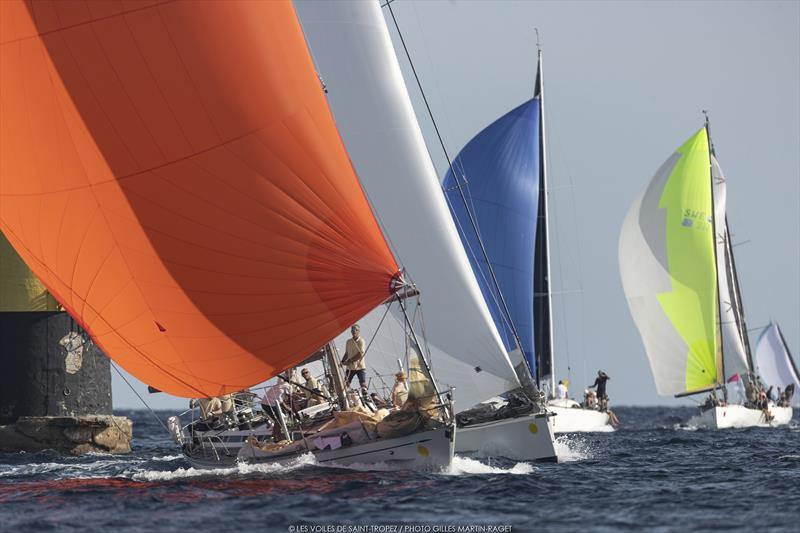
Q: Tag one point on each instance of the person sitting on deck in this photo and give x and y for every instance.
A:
(312, 393)
(353, 360)
(763, 404)
(209, 407)
(589, 399)
(400, 390)
(600, 383)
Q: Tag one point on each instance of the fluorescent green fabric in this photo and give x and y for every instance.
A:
(692, 304)
(20, 289)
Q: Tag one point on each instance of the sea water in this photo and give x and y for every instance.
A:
(654, 474)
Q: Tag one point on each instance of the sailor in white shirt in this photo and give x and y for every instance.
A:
(561, 390)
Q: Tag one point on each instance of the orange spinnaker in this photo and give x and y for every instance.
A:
(172, 173)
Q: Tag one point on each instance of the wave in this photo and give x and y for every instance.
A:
(101, 468)
(167, 458)
(238, 469)
(572, 448)
(466, 466)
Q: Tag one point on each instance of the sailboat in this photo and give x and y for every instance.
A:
(775, 364)
(679, 277)
(355, 57)
(174, 176)
(499, 181)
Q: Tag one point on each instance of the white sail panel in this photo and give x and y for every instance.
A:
(775, 365)
(353, 52)
(644, 275)
(733, 349)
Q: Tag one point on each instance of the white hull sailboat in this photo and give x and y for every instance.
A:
(429, 450)
(679, 276)
(739, 416)
(524, 438)
(498, 182)
(376, 119)
(231, 239)
(571, 417)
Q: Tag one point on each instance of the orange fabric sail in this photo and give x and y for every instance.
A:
(172, 173)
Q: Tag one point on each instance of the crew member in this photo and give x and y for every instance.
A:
(600, 383)
(400, 390)
(353, 359)
(562, 393)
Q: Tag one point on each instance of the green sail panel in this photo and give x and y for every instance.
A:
(667, 265)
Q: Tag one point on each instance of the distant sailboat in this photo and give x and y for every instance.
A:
(502, 176)
(679, 276)
(173, 174)
(775, 364)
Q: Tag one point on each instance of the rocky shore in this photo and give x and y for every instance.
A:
(74, 435)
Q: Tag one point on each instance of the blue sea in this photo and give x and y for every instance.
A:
(653, 474)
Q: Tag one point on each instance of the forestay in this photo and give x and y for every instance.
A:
(353, 52)
(666, 255)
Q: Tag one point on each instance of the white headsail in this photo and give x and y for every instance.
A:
(353, 51)
(775, 364)
(733, 347)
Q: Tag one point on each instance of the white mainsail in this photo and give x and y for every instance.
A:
(775, 364)
(356, 60)
(733, 348)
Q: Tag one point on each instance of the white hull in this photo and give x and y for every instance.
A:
(525, 438)
(429, 450)
(571, 418)
(739, 416)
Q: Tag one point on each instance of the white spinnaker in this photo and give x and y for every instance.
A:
(733, 349)
(643, 268)
(775, 365)
(353, 51)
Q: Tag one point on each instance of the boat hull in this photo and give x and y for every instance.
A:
(428, 450)
(739, 416)
(524, 438)
(571, 418)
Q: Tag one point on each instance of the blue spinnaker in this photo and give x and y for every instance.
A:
(498, 172)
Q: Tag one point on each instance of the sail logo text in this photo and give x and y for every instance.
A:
(695, 219)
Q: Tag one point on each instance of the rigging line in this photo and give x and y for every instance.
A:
(374, 335)
(114, 366)
(473, 222)
(579, 262)
(558, 244)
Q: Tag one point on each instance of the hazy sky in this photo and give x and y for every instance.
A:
(625, 83)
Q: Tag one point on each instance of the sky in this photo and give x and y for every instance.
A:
(625, 83)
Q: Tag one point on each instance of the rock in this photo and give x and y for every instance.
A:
(73, 435)
(117, 438)
(79, 434)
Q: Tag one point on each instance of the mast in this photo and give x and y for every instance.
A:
(739, 309)
(543, 310)
(332, 356)
(720, 344)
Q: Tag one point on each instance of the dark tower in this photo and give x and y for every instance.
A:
(52, 376)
